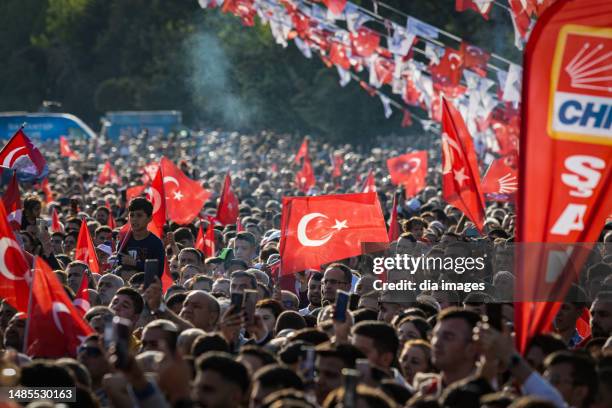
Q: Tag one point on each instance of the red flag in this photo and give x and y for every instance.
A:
(475, 58)
(565, 170)
(364, 42)
(460, 177)
(56, 328)
(12, 203)
(520, 16)
(239, 227)
(338, 54)
(318, 230)
(81, 300)
(480, 6)
(108, 175)
(166, 279)
(302, 152)
(56, 226)
(205, 242)
(65, 150)
(135, 191)
(407, 119)
(184, 196)
(149, 171)
(305, 179)
(227, 211)
(156, 194)
(47, 190)
(337, 162)
(500, 180)
(85, 249)
(448, 72)
(409, 170)
(111, 220)
(394, 231)
(20, 152)
(14, 268)
(369, 186)
(335, 6)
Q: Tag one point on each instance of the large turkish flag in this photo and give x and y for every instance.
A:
(319, 230)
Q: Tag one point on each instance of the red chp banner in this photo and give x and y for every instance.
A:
(565, 168)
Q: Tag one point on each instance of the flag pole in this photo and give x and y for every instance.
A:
(29, 314)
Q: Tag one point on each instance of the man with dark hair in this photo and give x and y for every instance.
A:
(159, 335)
(142, 244)
(32, 206)
(76, 270)
(245, 246)
(574, 375)
(568, 314)
(313, 294)
(601, 315)
(595, 275)
(127, 303)
(330, 360)
(540, 346)
(209, 342)
(103, 234)
(337, 276)
(241, 280)
(454, 351)
(220, 382)
(255, 357)
(184, 236)
(270, 379)
(378, 341)
(191, 256)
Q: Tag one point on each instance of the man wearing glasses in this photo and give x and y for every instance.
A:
(336, 277)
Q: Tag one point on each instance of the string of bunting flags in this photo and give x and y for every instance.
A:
(415, 64)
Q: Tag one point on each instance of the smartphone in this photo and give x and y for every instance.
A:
(307, 363)
(151, 268)
(342, 302)
(121, 340)
(236, 302)
(250, 299)
(362, 365)
(494, 315)
(41, 223)
(354, 301)
(350, 379)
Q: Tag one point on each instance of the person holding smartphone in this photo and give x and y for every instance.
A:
(141, 244)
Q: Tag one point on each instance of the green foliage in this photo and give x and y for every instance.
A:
(99, 55)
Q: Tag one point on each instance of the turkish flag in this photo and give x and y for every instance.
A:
(335, 6)
(305, 178)
(322, 229)
(409, 170)
(149, 171)
(12, 203)
(500, 180)
(47, 190)
(302, 151)
(338, 55)
(184, 197)
(227, 211)
(20, 154)
(475, 58)
(111, 220)
(156, 194)
(56, 326)
(565, 168)
(480, 6)
(448, 71)
(394, 230)
(460, 177)
(14, 268)
(65, 150)
(108, 175)
(369, 186)
(364, 42)
(56, 226)
(205, 242)
(520, 16)
(135, 191)
(166, 279)
(81, 299)
(85, 249)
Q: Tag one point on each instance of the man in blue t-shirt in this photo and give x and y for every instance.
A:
(142, 244)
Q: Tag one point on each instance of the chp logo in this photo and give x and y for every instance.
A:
(581, 86)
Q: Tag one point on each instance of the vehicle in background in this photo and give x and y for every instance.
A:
(44, 126)
(119, 123)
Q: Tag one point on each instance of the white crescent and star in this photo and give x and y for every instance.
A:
(155, 198)
(9, 157)
(5, 244)
(447, 143)
(303, 225)
(59, 307)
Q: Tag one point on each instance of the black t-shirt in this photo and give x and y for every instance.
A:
(150, 247)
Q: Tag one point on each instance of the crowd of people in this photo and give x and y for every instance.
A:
(192, 345)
